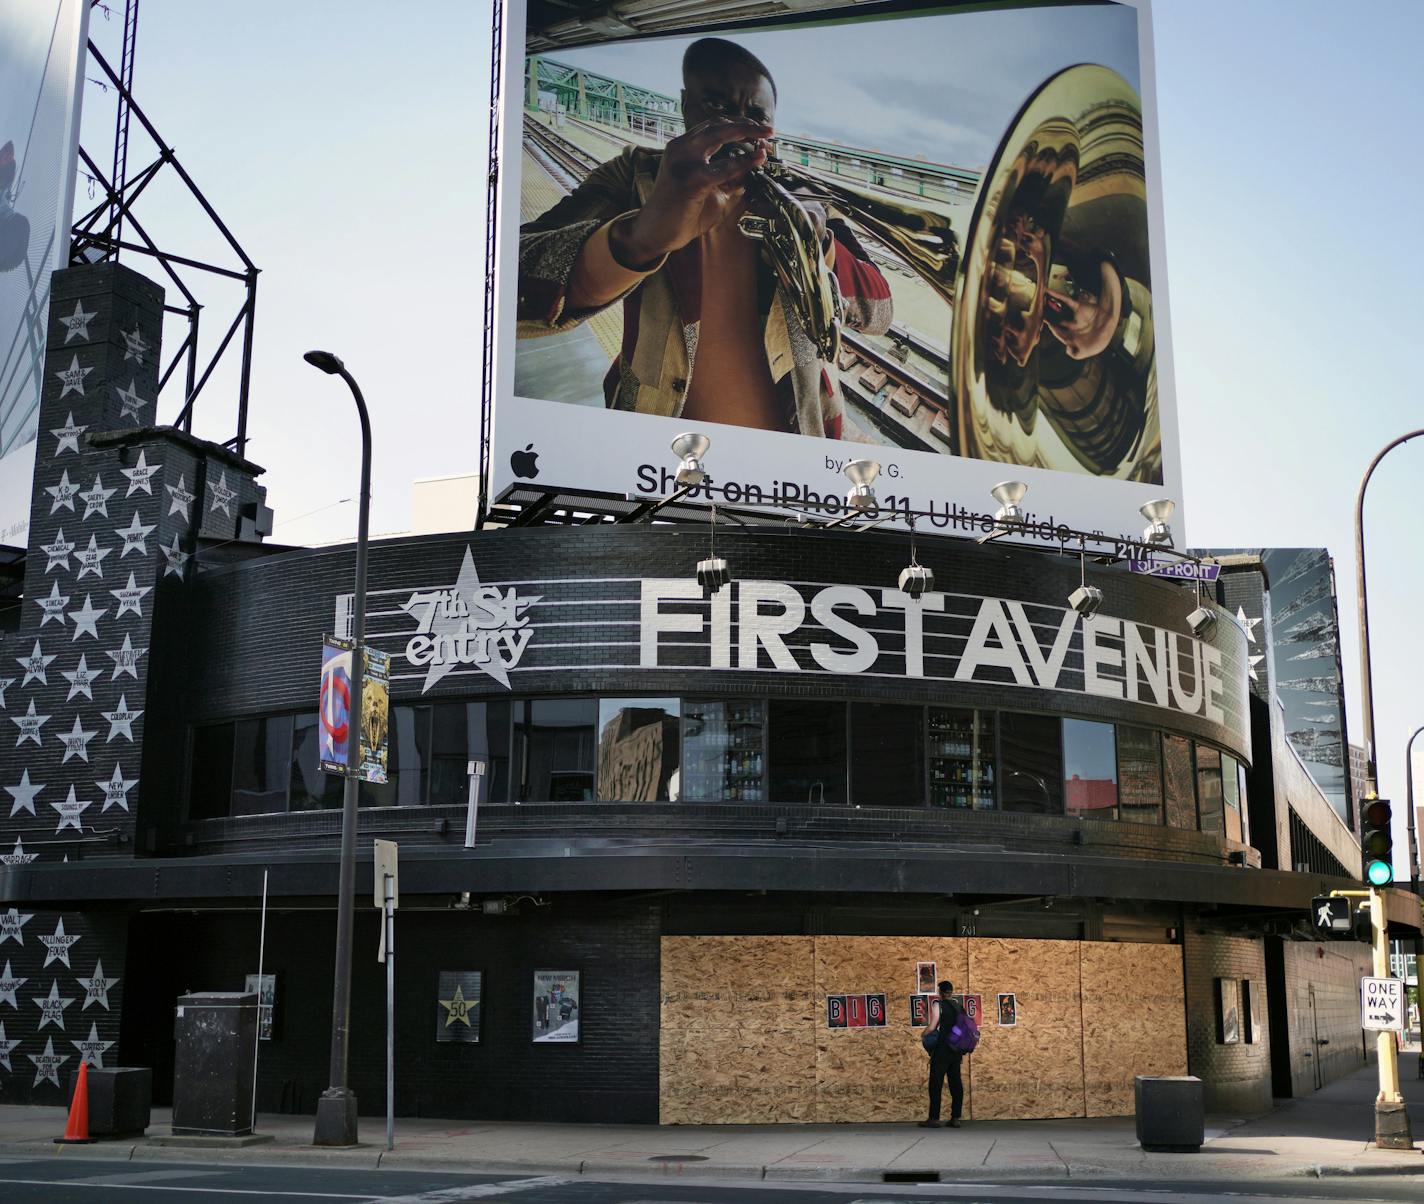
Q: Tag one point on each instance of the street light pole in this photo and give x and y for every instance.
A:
(1414, 875)
(1392, 1129)
(336, 1109)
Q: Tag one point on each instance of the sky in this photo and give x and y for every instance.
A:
(345, 149)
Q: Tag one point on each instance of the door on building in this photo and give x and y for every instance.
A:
(1316, 1069)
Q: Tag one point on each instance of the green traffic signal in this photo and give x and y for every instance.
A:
(1377, 841)
(1379, 873)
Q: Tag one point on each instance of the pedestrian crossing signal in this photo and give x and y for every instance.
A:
(1377, 841)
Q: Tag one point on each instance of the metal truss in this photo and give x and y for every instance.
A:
(103, 232)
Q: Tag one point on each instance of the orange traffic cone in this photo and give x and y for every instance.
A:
(76, 1132)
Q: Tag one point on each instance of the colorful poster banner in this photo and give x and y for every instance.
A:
(334, 706)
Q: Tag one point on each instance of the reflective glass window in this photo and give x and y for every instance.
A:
(555, 740)
(1210, 801)
(1031, 753)
(1178, 782)
(723, 751)
(261, 757)
(1089, 769)
(806, 744)
(210, 772)
(1139, 771)
(962, 755)
(887, 762)
(1231, 797)
(310, 788)
(639, 749)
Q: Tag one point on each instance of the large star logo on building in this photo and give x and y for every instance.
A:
(70, 812)
(86, 618)
(76, 325)
(36, 666)
(96, 499)
(52, 1006)
(96, 987)
(92, 1049)
(48, 1063)
(181, 498)
(81, 679)
(9, 984)
(116, 789)
(1255, 659)
(53, 606)
(141, 476)
(121, 720)
(63, 493)
(58, 552)
(223, 496)
(131, 402)
(1247, 625)
(135, 537)
(91, 559)
(126, 659)
(470, 624)
(76, 742)
(68, 435)
(22, 797)
(135, 345)
(29, 724)
(58, 946)
(457, 1008)
(18, 856)
(176, 558)
(12, 924)
(72, 378)
(7, 1047)
(130, 598)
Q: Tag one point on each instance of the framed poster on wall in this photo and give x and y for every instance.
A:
(555, 1016)
(457, 1011)
(264, 986)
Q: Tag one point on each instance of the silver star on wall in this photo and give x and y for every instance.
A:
(92, 1050)
(9, 984)
(19, 856)
(22, 796)
(181, 498)
(76, 326)
(126, 659)
(48, 1063)
(69, 813)
(222, 495)
(36, 666)
(134, 345)
(96, 987)
(58, 552)
(175, 556)
(11, 925)
(68, 435)
(86, 618)
(63, 493)
(76, 742)
(81, 679)
(130, 597)
(58, 946)
(141, 476)
(5, 684)
(53, 606)
(7, 1046)
(91, 559)
(130, 400)
(52, 1006)
(1247, 625)
(72, 378)
(135, 537)
(121, 720)
(29, 724)
(96, 500)
(116, 789)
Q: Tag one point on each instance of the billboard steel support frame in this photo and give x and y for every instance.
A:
(491, 240)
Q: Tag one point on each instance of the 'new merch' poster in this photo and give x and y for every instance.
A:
(556, 1005)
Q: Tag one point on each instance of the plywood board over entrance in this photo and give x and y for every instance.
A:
(1133, 1021)
(1033, 1070)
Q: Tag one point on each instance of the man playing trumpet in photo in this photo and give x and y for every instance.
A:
(708, 333)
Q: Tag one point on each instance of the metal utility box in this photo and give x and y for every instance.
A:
(119, 1100)
(1171, 1114)
(215, 1034)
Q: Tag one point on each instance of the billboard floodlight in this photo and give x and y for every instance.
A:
(690, 448)
(861, 474)
(1201, 621)
(1157, 513)
(1086, 598)
(915, 579)
(1008, 494)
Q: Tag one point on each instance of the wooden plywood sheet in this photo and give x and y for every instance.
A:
(1134, 1021)
(1033, 1070)
(737, 1041)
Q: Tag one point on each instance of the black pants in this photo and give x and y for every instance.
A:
(946, 1062)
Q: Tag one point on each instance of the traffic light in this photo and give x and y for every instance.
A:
(1377, 841)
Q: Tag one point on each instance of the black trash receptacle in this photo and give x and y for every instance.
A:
(119, 1100)
(1171, 1115)
(216, 1039)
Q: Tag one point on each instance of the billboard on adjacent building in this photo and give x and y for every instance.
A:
(41, 56)
(946, 258)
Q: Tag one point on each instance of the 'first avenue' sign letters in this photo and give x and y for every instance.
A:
(438, 630)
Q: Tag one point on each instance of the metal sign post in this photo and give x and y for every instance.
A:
(476, 770)
(388, 899)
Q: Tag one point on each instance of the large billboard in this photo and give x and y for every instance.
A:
(927, 238)
(41, 52)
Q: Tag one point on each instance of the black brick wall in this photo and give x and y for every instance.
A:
(1238, 1076)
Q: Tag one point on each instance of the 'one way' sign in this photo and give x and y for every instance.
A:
(1382, 1004)
(1330, 914)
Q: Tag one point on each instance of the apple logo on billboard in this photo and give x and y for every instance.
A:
(525, 463)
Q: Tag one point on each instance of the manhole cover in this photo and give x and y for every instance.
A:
(678, 1158)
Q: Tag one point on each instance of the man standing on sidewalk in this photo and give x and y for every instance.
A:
(944, 1059)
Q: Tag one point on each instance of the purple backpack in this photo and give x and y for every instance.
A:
(963, 1033)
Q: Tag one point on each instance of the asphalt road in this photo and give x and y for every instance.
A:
(62, 1180)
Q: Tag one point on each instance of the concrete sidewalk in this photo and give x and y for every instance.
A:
(1326, 1134)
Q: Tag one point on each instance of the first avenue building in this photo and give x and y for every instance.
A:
(724, 841)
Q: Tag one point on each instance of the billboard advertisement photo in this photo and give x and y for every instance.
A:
(931, 239)
(41, 54)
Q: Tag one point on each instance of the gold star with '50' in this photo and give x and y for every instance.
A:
(457, 1010)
